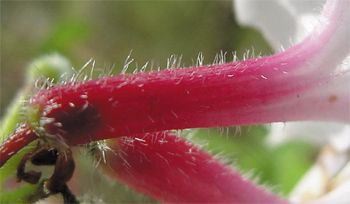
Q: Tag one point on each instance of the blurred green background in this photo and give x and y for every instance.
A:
(154, 30)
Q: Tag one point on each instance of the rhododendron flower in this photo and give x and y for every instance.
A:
(301, 83)
(335, 73)
(304, 82)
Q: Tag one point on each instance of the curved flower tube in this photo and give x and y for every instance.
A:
(301, 83)
(297, 84)
(296, 19)
(172, 170)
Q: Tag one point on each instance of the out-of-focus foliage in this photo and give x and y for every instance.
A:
(108, 30)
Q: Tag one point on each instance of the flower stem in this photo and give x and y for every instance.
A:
(18, 140)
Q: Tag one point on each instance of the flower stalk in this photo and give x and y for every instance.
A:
(23, 135)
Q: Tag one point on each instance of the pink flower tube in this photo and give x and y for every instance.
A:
(305, 82)
(301, 83)
(171, 170)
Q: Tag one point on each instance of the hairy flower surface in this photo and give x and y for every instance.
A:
(170, 169)
(298, 18)
(304, 82)
(301, 83)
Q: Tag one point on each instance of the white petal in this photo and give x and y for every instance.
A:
(317, 133)
(305, 6)
(340, 195)
(280, 21)
(270, 17)
(329, 174)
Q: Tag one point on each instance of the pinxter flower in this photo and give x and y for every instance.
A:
(304, 82)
